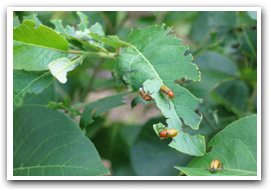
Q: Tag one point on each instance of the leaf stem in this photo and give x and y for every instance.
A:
(100, 54)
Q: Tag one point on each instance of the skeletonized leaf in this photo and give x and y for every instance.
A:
(60, 67)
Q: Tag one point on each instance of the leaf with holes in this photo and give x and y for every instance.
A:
(46, 142)
(154, 59)
(235, 147)
(81, 38)
(34, 48)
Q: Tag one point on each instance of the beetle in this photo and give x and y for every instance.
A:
(215, 164)
(168, 133)
(146, 96)
(167, 91)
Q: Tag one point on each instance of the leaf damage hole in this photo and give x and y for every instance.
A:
(209, 149)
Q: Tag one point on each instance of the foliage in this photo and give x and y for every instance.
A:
(58, 146)
(234, 146)
(71, 75)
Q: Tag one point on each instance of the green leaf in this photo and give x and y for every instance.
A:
(250, 75)
(47, 95)
(100, 106)
(32, 82)
(215, 61)
(154, 59)
(210, 79)
(34, 48)
(235, 147)
(60, 67)
(114, 144)
(34, 18)
(233, 95)
(81, 38)
(84, 35)
(84, 21)
(244, 19)
(59, 28)
(215, 69)
(16, 22)
(213, 41)
(252, 14)
(220, 21)
(46, 142)
(84, 31)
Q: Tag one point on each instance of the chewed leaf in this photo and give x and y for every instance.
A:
(60, 67)
(69, 30)
(235, 146)
(84, 35)
(81, 38)
(154, 59)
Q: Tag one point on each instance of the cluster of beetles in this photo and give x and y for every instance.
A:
(215, 164)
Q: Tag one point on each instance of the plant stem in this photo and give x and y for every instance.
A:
(101, 54)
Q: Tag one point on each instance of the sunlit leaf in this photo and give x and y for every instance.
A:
(34, 48)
